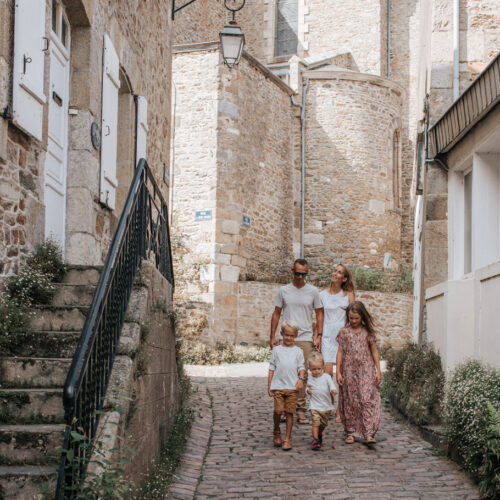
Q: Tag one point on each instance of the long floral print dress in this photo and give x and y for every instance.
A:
(359, 397)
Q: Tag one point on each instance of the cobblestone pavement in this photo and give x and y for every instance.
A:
(230, 455)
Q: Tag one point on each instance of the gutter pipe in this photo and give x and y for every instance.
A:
(302, 161)
(388, 38)
(456, 46)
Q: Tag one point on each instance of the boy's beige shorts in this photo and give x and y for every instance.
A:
(320, 418)
(285, 400)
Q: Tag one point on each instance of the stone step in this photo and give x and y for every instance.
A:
(25, 481)
(30, 444)
(82, 275)
(73, 295)
(58, 318)
(29, 406)
(33, 372)
(49, 344)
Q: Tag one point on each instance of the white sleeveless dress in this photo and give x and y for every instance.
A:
(334, 305)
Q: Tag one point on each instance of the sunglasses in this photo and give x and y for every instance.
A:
(300, 274)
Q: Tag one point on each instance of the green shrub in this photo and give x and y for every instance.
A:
(489, 472)
(31, 286)
(48, 258)
(15, 324)
(198, 353)
(471, 387)
(368, 279)
(414, 381)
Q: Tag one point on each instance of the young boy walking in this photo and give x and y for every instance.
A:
(322, 390)
(286, 378)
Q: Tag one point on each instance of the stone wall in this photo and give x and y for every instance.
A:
(392, 311)
(155, 397)
(240, 169)
(141, 34)
(350, 209)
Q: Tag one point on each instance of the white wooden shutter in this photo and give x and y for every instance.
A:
(28, 98)
(109, 123)
(142, 128)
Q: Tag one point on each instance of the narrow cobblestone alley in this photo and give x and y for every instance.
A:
(230, 455)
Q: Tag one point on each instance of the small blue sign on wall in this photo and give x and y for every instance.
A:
(246, 221)
(203, 215)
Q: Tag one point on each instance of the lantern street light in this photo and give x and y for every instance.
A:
(232, 38)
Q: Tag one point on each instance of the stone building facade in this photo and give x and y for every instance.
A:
(86, 63)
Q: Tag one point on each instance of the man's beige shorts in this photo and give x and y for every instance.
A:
(320, 418)
(285, 400)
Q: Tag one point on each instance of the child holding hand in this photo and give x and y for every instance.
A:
(322, 390)
(358, 375)
(286, 377)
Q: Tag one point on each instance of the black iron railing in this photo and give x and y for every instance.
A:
(142, 233)
(473, 105)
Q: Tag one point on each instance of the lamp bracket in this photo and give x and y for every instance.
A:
(177, 9)
(236, 5)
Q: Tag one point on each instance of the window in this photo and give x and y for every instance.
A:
(396, 168)
(286, 27)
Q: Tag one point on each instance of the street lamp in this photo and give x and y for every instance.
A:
(231, 37)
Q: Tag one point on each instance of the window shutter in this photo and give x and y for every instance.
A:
(142, 128)
(28, 99)
(109, 123)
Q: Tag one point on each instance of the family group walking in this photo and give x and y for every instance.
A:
(344, 335)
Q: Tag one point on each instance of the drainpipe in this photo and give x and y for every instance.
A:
(172, 152)
(388, 38)
(302, 161)
(456, 47)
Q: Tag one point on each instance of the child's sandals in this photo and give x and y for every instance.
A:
(277, 439)
(349, 439)
(316, 445)
(287, 445)
(370, 440)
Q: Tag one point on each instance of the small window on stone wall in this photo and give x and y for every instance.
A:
(286, 27)
(396, 169)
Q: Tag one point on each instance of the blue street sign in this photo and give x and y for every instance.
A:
(246, 221)
(203, 215)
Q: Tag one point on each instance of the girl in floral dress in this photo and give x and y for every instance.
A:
(358, 375)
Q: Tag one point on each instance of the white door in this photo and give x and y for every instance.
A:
(57, 145)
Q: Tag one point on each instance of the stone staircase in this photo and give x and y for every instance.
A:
(31, 411)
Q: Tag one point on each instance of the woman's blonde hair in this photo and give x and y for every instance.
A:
(348, 285)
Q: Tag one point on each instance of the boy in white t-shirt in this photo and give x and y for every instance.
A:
(286, 377)
(322, 390)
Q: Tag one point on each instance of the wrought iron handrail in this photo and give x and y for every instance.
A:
(482, 95)
(142, 232)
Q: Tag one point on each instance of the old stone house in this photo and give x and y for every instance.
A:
(85, 92)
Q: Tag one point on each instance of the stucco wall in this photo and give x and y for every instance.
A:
(349, 197)
(393, 312)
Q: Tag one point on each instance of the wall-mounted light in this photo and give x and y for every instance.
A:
(231, 37)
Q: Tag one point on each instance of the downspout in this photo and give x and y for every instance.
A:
(388, 38)
(302, 161)
(172, 153)
(136, 111)
(456, 47)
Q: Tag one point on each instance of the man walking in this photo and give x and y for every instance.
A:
(298, 300)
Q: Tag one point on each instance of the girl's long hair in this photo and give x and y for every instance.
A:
(366, 318)
(347, 286)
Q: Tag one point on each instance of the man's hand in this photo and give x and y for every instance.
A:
(271, 393)
(378, 378)
(299, 385)
(317, 343)
(339, 378)
(273, 342)
(309, 391)
(333, 391)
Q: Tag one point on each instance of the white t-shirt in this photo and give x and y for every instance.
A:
(321, 386)
(286, 362)
(298, 305)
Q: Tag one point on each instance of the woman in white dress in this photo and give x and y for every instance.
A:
(335, 300)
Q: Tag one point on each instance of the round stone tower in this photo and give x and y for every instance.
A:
(353, 169)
